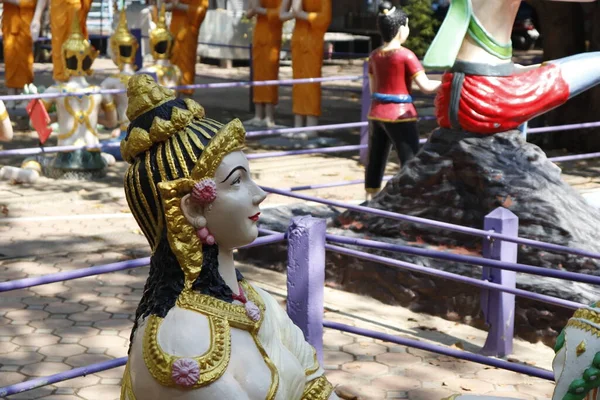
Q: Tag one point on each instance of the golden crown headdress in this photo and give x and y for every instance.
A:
(161, 40)
(144, 95)
(78, 53)
(122, 43)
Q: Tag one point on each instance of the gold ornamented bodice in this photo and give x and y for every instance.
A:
(79, 117)
(213, 363)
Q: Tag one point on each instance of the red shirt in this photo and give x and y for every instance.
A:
(392, 72)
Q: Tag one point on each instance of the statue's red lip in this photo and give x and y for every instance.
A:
(254, 217)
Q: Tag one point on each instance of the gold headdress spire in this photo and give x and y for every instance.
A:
(144, 95)
(161, 40)
(78, 53)
(122, 43)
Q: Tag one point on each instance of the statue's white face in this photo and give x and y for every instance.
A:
(232, 217)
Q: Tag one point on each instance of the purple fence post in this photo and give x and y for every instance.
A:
(499, 307)
(365, 103)
(306, 278)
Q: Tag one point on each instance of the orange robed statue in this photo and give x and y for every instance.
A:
(61, 13)
(266, 45)
(186, 18)
(312, 21)
(18, 45)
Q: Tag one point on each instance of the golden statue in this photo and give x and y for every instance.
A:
(78, 115)
(202, 331)
(18, 44)
(186, 18)
(312, 21)
(61, 14)
(161, 47)
(266, 45)
(123, 47)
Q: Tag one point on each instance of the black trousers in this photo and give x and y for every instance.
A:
(405, 138)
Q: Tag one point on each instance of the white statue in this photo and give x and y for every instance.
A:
(78, 115)
(161, 46)
(123, 47)
(202, 331)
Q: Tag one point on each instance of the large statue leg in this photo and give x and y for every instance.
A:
(581, 71)
(379, 149)
(405, 136)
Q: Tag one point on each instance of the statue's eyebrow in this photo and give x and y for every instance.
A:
(232, 171)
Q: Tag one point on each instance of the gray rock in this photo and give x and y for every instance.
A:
(459, 178)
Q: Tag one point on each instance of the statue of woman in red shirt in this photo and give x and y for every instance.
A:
(392, 117)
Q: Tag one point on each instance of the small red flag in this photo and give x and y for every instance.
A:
(39, 119)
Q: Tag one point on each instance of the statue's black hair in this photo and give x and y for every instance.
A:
(389, 20)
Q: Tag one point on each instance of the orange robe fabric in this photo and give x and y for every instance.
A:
(307, 56)
(18, 45)
(61, 14)
(185, 27)
(266, 45)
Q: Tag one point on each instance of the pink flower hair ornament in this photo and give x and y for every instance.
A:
(204, 192)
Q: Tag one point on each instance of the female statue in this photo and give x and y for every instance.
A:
(18, 44)
(78, 115)
(484, 92)
(312, 21)
(266, 46)
(123, 48)
(392, 117)
(161, 47)
(202, 331)
(61, 14)
(186, 18)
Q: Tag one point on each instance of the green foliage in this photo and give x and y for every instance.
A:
(422, 23)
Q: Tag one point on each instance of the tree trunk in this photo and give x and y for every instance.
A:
(563, 30)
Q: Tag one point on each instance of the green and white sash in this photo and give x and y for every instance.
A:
(459, 22)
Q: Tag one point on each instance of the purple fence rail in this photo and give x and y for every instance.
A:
(464, 355)
(62, 376)
(455, 277)
(438, 224)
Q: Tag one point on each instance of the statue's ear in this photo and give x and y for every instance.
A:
(193, 212)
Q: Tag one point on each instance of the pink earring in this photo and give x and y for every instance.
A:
(205, 236)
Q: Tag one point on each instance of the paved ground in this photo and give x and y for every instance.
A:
(53, 328)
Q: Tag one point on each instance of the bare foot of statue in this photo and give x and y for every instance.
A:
(254, 122)
(269, 123)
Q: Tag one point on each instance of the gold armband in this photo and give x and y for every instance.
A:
(318, 389)
(108, 106)
(4, 115)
